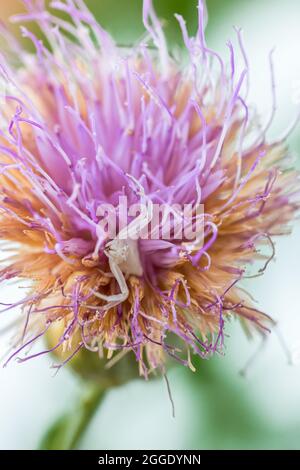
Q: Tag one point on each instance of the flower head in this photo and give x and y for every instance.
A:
(85, 123)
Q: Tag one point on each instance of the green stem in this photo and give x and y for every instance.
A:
(67, 431)
(89, 407)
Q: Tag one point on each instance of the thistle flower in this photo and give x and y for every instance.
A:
(85, 122)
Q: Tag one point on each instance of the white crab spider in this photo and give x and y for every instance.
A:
(123, 254)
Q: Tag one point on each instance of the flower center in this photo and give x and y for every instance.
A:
(125, 254)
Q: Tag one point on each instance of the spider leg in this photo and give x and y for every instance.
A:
(116, 299)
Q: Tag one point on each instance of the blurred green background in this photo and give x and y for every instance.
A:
(216, 408)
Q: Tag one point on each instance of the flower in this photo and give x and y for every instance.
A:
(86, 122)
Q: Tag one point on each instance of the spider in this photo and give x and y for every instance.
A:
(123, 254)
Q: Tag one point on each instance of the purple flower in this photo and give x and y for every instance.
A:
(86, 123)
